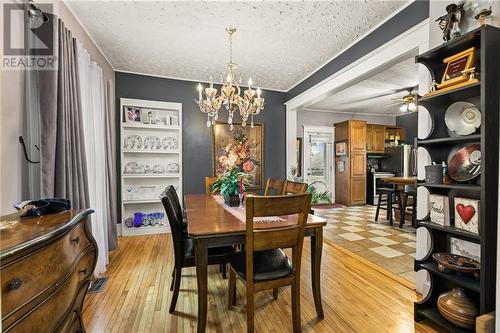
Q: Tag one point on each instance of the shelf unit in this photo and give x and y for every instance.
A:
(485, 96)
(141, 192)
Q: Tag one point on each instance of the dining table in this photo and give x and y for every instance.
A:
(400, 183)
(210, 224)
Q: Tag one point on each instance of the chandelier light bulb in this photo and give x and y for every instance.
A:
(250, 83)
(258, 92)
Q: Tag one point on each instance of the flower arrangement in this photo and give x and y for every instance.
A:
(239, 154)
(231, 183)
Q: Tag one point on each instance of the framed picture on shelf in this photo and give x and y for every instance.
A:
(440, 209)
(455, 66)
(131, 114)
(340, 148)
(243, 148)
(465, 248)
(467, 214)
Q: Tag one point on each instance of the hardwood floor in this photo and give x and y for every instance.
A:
(136, 298)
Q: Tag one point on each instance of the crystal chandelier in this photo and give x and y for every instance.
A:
(248, 105)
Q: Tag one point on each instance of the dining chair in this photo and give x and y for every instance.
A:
(274, 186)
(184, 246)
(291, 187)
(263, 265)
(209, 181)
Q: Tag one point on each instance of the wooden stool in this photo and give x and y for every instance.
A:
(406, 195)
(389, 193)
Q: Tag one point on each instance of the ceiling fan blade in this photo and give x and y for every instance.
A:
(393, 104)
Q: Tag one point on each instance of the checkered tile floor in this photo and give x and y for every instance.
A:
(355, 229)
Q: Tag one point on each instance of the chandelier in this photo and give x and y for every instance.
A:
(210, 101)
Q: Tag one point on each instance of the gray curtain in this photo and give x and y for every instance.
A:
(62, 146)
(110, 134)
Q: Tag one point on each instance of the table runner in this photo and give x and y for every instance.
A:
(241, 213)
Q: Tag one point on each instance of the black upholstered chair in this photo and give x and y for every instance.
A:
(183, 245)
(409, 194)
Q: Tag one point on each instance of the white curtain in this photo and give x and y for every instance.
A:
(93, 111)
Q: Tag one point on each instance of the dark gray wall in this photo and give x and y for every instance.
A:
(410, 124)
(196, 137)
(404, 20)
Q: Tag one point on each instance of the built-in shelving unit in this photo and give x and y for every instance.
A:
(485, 189)
(151, 159)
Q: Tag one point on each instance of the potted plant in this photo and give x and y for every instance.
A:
(318, 197)
(229, 184)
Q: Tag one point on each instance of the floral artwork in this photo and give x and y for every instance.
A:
(241, 148)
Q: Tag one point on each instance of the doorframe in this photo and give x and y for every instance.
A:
(306, 148)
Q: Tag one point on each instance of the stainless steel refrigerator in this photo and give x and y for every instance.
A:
(399, 160)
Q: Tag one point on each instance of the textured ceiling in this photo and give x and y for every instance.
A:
(361, 97)
(277, 43)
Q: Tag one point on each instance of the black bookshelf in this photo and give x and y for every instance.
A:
(485, 95)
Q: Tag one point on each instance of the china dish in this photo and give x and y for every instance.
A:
(453, 262)
(132, 142)
(169, 143)
(464, 162)
(425, 123)
(152, 142)
(462, 118)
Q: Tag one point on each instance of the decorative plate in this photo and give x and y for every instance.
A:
(169, 143)
(132, 142)
(425, 123)
(464, 162)
(152, 142)
(130, 167)
(423, 203)
(462, 118)
(423, 159)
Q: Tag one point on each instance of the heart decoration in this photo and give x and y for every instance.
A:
(466, 212)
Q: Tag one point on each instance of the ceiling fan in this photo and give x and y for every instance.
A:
(407, 103)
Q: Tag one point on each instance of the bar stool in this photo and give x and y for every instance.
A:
(413, 208)
(390, 193)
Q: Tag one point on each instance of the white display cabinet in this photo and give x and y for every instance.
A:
(151, 159)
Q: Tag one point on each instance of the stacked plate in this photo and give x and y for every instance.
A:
(462, 118)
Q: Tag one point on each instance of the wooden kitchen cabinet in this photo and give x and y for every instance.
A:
(350, 177)
(375, 138)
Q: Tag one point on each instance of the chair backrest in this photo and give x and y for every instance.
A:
(175, 222)
(274, 186)
(177, 203)
(291, 236)
(209, 181)
(291, 187)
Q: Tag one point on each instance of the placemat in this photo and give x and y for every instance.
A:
(241, 213)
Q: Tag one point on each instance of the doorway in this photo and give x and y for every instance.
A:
(318, 158)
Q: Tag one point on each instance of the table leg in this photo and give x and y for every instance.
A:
(316, 252)
(201, 258)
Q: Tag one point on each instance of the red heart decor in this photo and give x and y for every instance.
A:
(466, 212)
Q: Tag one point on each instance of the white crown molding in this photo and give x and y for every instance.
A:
(68, 7)
(350, 112)
(404, 44)
(183, 79)
(357, 40)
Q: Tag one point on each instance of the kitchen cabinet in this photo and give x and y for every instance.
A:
(350, 171)
(375, 138)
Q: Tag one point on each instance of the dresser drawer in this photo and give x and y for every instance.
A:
(28, 277)
(72, 323)
(63, 305)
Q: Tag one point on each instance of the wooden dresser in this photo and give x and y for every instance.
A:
(46, 264)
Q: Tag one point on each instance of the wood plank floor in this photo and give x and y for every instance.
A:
(356, 298)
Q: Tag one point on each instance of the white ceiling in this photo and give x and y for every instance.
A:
(277, 43)
(362, 97)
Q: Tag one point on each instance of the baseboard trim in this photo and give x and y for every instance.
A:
(408, 284)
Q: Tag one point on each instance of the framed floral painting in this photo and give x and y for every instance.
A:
(243, 148)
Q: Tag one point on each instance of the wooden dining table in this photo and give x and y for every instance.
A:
(210, 225)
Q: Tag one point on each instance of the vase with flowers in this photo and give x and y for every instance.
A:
(231, 184)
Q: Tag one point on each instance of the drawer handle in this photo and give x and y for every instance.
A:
(83, 271)
(76, 240)
(15, 284)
